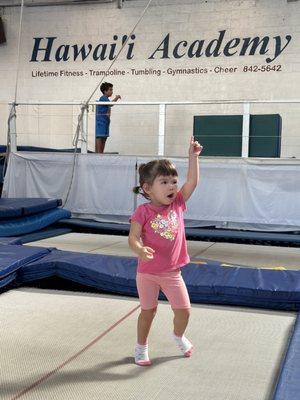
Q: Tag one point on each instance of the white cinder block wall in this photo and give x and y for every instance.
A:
(134, 130)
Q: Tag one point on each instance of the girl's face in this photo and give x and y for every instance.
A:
(163, 190)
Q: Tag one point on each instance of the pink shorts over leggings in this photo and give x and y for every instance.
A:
(171, 284)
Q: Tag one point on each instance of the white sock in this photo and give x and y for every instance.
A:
(141, 354)
(184, 345)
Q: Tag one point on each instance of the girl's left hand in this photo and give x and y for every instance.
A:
(195, 147)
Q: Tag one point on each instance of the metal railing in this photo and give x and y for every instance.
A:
(162, 109)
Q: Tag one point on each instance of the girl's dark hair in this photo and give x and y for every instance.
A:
(148, 172)
(105, 86)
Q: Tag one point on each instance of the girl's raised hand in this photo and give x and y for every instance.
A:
(195, 147)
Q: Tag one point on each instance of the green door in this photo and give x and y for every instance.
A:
(265, 135)
(220, 135)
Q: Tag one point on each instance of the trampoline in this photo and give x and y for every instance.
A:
(72, 349)
(79, 345)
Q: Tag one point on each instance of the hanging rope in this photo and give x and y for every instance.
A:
(12, 113)
(78, 133)
(124, 44)
(19, 45)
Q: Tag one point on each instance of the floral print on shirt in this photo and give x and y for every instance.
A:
(166, 227)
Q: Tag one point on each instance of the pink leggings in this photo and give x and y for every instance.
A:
(171, 284)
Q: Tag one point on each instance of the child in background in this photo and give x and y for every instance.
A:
(157, 236)
(103, 116)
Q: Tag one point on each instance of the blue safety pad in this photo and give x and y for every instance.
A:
(206, 283)
(14, 257)
(44, 268)
(99, 226)
(288, 386)
(251, 287)
(43, 234)
(32, 223)
(11, 208)
(8, 280)
(34, 236)
(108, 273)
(10, 240)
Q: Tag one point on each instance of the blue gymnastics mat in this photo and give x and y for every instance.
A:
(207, 281)
(288, 386)
(13, 258)
(8, 280)
(32, 223)
(11, 208)
(34, 236)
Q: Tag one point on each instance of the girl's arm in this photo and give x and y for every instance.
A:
(145, 253)
(193, 170)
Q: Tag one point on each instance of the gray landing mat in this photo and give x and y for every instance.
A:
(238, 254)
(237, 351)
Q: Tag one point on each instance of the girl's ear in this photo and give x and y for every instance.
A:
(146, 188)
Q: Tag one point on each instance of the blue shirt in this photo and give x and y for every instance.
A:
(102, 118)
(102, 111)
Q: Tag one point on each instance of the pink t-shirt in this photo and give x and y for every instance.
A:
(163, 231)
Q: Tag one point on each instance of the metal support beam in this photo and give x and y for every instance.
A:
(162, 129)
(156, 103)
(246, 130)
(41, 3)
(84, 130)
(13, 130)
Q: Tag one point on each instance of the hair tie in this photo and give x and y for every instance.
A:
(137, 190)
